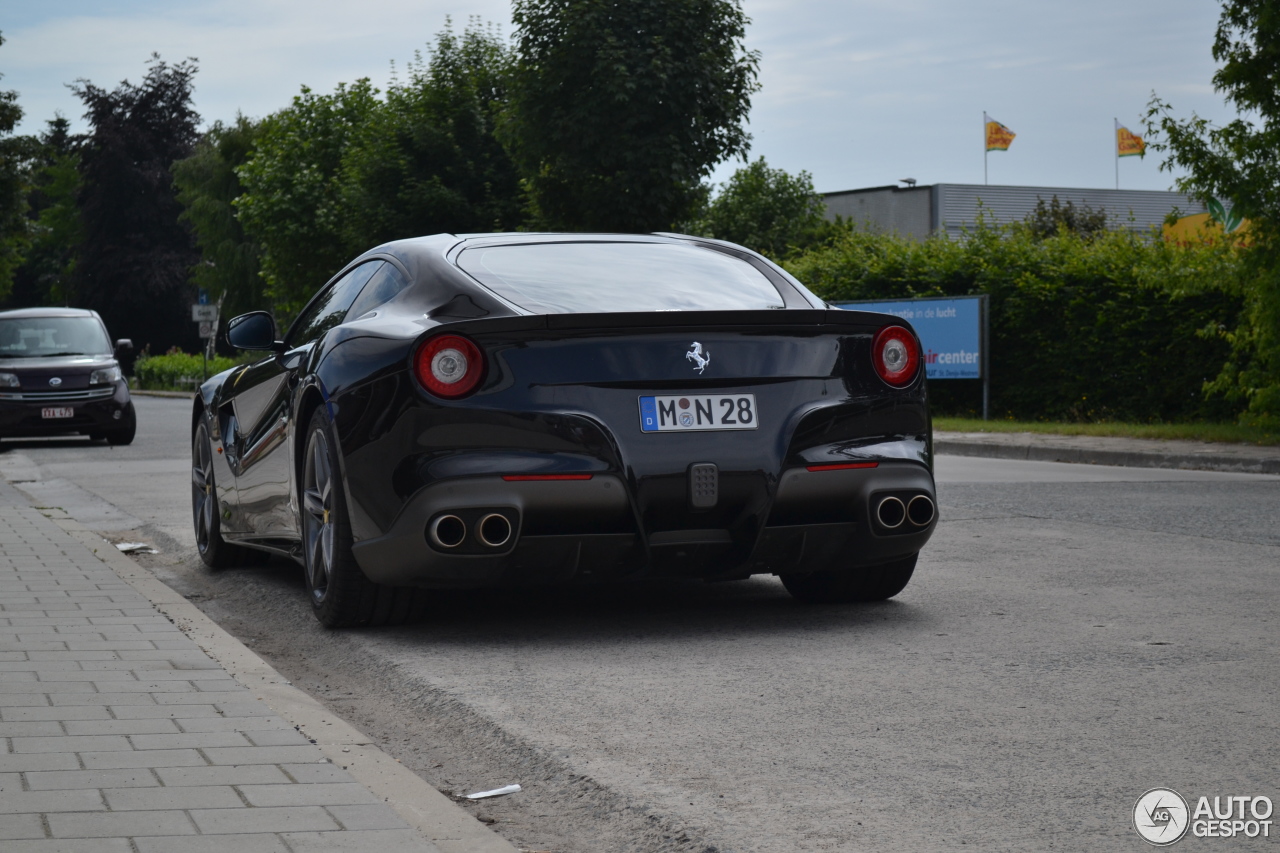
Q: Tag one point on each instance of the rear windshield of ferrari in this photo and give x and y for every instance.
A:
(570, 278)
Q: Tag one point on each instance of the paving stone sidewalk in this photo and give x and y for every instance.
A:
(119, 734)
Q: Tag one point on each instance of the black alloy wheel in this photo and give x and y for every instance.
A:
(873, 583)
(318, 521)
(215, 551)
(341, 595)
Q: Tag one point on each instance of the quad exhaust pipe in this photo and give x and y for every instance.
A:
(486, 531)
(892, 512)
(920, 511)
(494, 530)
(447, 531)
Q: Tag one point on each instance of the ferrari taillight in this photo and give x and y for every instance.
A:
(449, 366)
(896, 356)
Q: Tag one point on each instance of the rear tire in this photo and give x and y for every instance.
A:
(341, 596)
(215, 552)
(874, 583)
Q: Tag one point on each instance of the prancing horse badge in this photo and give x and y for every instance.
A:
(700, 359)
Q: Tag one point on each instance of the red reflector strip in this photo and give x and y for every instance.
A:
(842, 466)
(520, 477)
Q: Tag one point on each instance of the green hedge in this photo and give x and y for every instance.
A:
(1117, 327)
(177, 371)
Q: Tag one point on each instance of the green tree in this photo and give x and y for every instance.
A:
(15, 152)
(618, 111)
(207, 186)
(1054, 218)
(332, 175)
(134, 255)
(427, 161)
(766, 209)
(54, 218)
(292, 202)
(1240, 162)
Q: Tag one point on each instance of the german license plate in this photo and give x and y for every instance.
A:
(689, 412)
(66, 412)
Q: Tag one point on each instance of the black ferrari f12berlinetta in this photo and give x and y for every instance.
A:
(514, 409)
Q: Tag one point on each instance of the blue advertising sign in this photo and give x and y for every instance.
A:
(950, 331)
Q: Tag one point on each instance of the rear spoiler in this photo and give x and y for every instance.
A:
(864, 321)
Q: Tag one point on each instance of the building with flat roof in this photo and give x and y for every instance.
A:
(951, 208)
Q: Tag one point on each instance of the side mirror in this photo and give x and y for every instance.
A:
(124, 345)
(255, 330)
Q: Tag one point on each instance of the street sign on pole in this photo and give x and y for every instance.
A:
(208, 329)
(203, 313)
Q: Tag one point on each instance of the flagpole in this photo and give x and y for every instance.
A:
(1115, 141)
(985, 150)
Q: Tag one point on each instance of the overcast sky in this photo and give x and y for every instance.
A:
(857, 92)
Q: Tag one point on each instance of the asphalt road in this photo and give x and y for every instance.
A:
(1074, 636)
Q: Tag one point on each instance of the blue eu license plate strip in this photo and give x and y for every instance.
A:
(697, 412)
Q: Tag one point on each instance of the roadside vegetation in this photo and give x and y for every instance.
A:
(177, 371)
(1112, 326)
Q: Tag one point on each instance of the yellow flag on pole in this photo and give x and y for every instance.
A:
(999, 137)
(1128, 143)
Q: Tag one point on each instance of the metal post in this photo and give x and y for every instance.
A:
(986, 366)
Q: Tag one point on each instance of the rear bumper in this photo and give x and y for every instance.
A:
(20, 418)
(588, 529)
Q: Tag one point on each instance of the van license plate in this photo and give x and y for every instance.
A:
(690, 412)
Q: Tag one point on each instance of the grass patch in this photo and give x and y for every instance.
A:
(1227, 433)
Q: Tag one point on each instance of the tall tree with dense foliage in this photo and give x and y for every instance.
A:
(207, 186)
(14, 152)
(428, 161)
(54, 218)
(292, 201)
(765, 209)
(1239, 162)
(332, 175)
(134, 257)
(618, 111)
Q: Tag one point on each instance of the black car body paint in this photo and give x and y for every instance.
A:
(559, 399)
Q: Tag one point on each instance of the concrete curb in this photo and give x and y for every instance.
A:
(435, 816)
(185, 395)
(1096, 452)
